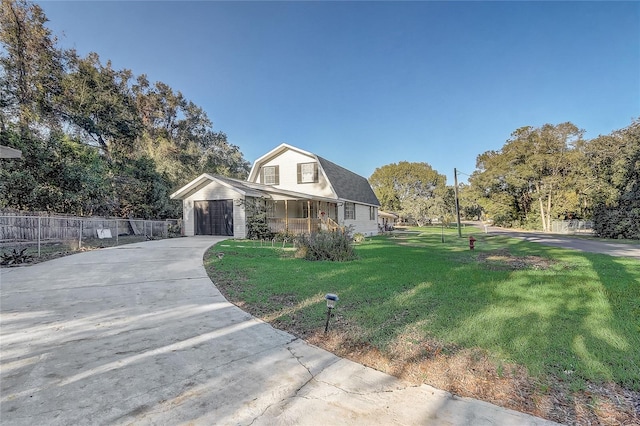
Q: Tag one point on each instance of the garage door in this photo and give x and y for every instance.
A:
(214, 217)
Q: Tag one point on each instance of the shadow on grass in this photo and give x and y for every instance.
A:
(577, 320)
(572, 322)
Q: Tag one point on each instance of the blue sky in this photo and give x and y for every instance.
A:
(366, 84)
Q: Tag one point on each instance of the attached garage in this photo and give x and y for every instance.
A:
(213, 217)
(215, 205)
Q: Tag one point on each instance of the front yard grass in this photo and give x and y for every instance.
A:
(544, 330)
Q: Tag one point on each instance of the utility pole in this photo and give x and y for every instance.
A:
(455, 190)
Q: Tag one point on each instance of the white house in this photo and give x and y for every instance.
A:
(302, 193)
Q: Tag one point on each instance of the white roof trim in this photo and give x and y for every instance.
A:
(182, 192)
(279, 149)
(205, 178)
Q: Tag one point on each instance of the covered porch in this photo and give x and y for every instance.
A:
(301, 216)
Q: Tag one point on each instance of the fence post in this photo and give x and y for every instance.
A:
(152, 229)
(39, 233)
(117, 232)
(80, 237)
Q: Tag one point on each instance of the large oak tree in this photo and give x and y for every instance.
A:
(414, 190)
(95, 140)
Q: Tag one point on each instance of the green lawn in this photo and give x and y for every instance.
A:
(564, 314)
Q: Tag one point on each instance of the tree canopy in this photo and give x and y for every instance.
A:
(95, 140)
(551, 172)
(615, 159)
(414, 190)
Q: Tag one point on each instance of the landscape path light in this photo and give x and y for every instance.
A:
(331, 303)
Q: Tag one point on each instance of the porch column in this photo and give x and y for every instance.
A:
(309, 216)
(286, 215)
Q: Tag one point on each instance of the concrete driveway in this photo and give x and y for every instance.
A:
(138, 334)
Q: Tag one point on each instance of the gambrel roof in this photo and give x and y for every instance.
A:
(346, 185)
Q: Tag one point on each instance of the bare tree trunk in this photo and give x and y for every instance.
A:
(542, 214)
(548, 212)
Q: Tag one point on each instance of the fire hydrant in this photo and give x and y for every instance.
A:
(472, 242)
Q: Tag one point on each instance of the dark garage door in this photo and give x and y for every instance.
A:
(214, 217)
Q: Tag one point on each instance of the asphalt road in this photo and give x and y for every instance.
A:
(592, 246)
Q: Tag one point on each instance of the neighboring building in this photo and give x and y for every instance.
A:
(387, 220)
(301, 192)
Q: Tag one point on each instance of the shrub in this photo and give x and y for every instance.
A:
(174, 230)
(617, 222)
(285, 236)
(15, 257)
(257, 226)
(325, 245)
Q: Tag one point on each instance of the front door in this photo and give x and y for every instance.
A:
(214, 217)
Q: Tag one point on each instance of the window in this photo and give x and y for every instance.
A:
(270, 175)
(372, 213)
(305, 209)
(307, 172)
(349, 211)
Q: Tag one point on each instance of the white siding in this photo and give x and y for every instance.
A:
(288, 171)
(215, 191)
(362, 223)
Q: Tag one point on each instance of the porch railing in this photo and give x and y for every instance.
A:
(331, 225)
(294, 225)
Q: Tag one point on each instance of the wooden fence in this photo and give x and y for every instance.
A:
(49, 228)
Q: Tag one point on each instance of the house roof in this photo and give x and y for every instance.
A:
(268, 191)
(388, 215)
(205, 179)
(249, 189)
(255, 169)
(346, 185)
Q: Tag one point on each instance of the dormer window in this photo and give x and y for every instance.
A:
(307, 172)
(270, 175)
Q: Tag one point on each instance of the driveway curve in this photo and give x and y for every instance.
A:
(138, 334)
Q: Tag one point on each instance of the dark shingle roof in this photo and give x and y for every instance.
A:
(254, 189)
(348, 185)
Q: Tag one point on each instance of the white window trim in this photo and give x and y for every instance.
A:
(346, 204)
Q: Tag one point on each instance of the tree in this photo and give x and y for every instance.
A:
(178, 136)
(32, 66)
(469, 206)
(414, 189)
(95, 140)
(98, 102)
(496, 189)
(617, 212)
(140, 191)
(57, 174)
(535, 167)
